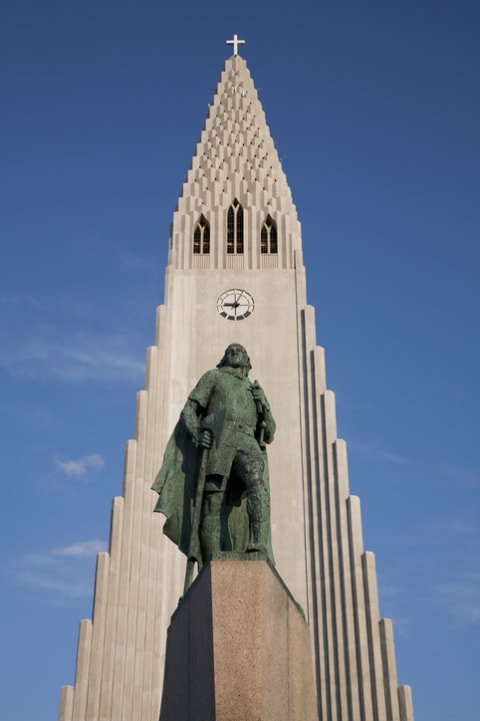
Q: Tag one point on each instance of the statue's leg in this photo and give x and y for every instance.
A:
(258, 502)
(210, 528)
(258, 509)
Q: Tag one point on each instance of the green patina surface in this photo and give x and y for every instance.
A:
(213, 485)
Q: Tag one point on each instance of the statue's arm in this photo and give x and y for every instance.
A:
(195, 408)
(191, 417)
(264, 412)
(270, 425)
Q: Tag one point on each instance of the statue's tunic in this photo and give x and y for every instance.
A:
(227, 400)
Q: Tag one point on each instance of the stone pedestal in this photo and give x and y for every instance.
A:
(238, 649)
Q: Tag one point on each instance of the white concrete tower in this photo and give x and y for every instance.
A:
(235, 273)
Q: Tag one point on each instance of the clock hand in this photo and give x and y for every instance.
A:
(232, 305)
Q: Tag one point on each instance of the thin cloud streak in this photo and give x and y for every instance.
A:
(86, 549)
(22, 301)
(78, 588)
(42, 345)
(459, 475)
(138, 264)
(64, 572)
(80, 467)
(377, 454)
(461, 598)
(448, 555)
(85, 359)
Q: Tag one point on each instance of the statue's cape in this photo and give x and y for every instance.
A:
(176, 485)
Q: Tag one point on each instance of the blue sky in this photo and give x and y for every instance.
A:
(374, 108)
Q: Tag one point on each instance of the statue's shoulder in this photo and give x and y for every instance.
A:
(209, 376)
(206, 377)
(204, 386)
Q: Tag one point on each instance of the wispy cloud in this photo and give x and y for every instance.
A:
(86, 549)
(81, 587)
(460, 475)
(446, 574)
(73, 340)
(402, 626)
(81, 550)
(80, 467)
(460, 597)
(462, 528)
(139, 263)
(17, 300)
(64, 572)
(378, 454)
(104, 358)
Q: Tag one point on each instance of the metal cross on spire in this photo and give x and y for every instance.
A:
(235, 42)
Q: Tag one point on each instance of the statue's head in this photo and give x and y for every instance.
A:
(236, 356)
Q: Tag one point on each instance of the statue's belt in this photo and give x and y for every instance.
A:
(240, 426)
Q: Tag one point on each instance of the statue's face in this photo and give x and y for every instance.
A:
(236, 356)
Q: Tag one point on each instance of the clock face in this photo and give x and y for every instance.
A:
(235, 304)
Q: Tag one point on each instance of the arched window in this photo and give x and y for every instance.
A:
(201, 237)
(235, 228)
(268, 236)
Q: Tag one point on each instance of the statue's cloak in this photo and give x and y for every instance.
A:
(176, 485)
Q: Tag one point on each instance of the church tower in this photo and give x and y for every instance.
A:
(235, 274)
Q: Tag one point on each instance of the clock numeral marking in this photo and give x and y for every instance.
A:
(235, 304)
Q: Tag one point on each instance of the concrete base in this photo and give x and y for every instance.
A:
(238, 649)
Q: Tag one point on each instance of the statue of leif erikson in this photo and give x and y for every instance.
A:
(213, 485)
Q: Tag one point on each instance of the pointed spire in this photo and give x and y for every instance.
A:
(236, 150)
(235, 158)
(236, 154)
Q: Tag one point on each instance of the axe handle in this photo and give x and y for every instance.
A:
(188, 574)
(197, 511)
(261, 416)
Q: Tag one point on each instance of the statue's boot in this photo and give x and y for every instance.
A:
(258, 509)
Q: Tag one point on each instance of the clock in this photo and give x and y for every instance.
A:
(235, 304)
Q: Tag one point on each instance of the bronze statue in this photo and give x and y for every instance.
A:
(213, 485)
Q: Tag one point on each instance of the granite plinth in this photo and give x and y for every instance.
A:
(238, 649)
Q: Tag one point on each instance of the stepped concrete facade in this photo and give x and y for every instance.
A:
(235, 274)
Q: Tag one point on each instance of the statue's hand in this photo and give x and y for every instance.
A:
(259, 396)
(205, 438)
